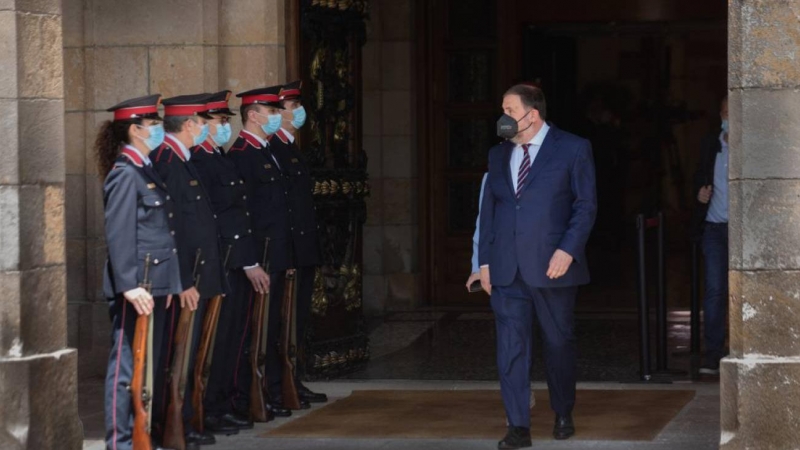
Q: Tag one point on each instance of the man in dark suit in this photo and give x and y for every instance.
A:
(538, 208)
(710, 228)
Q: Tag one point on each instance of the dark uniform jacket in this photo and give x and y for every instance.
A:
(137, 224)
(302, 216)
(196, 226)
(267, 197)
(704, 176)
(228, 195)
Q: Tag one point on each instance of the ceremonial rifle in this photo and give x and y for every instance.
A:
(205, 351)
(291, 399)
(142, 380)
(174, 431)
(258, 405)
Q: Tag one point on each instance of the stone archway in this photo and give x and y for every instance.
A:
(760, 388)
(38, 373)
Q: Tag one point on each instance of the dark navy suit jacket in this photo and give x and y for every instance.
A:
(556, 210)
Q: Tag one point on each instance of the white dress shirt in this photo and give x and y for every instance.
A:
(145, 159)
(289, 135)
(517, 154)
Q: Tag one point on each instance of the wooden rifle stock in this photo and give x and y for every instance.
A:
(141, 394)
(202, 365)
(174, 434)
(258, 403)
(291, 399)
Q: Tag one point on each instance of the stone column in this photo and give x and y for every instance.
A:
(38, 385)
(760, 388)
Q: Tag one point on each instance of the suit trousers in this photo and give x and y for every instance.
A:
(514, 307)
(229, 355)
(118, 405)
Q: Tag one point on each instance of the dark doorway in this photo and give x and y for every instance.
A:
(645, 91)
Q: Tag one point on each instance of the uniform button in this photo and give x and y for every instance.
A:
(155, 261)
(236, 237)
(215, 216)
(519, 207)
(198, 197)
(290, 210)
(174, 250)
(272, 179)
(247, 213)
(302, 232)
(172, 232)
(244, 197)
(168, 197)
(158, 203)
(241, 181)
(249, 231)
(233, 183)
(170, 215)
(286, 192)
(292, 228)
(202, 262)
(298, 172)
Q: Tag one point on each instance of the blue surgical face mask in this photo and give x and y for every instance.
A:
(223, 134)
(156, 136)
(725, 126)
(273, 123)
(199, 139)
(298, 117)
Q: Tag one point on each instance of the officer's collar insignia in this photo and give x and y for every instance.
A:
(131, 155)
(170, 142)
(295, 160)
(151, 186)
(268, 166)
(192, 182)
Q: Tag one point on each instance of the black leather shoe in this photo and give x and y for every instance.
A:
(278, 409)
(517, 437)
(308, 395)
(193, 437)
(242, 423)
(564, 428)
(218, 425)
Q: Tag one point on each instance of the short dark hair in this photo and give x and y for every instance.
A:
(531, 96)
(173, 124)
(244, 109)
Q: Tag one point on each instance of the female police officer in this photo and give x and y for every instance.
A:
(137, 225)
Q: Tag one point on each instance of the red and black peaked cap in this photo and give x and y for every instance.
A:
(137, 108)
(218, 103)
(186, 105)
(269, 96)
(292, 90)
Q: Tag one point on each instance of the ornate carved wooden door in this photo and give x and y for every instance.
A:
(328, 36)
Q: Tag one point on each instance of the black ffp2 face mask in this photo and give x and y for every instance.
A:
(508, 127)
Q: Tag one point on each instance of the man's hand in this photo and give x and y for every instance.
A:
(190, 298)
(473, 278)
(559, 264)
(259, 279)
(704, 196)
(485, 283)
(141, 300)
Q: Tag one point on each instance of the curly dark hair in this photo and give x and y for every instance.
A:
(110, 139)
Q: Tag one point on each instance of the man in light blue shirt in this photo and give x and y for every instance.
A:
(711, 229)
(476, 270)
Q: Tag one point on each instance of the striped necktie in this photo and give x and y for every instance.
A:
(524, 168)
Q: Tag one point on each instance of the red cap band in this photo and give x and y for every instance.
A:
(290, 93)
(138, 111)
(184, 110)
(217, 105)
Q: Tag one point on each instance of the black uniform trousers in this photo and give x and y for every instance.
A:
(231, 348)
(118, 404)
(305, 290)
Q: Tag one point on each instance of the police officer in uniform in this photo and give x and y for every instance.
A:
(302, 219)
(137, 207)
(228, 196)
(268, 200)
(196, 233)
